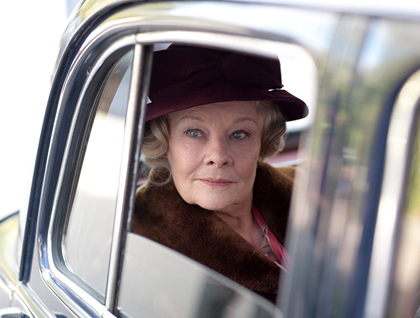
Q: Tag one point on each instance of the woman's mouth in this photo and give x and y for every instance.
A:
(216, 182)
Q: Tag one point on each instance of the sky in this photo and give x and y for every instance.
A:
(30, 33)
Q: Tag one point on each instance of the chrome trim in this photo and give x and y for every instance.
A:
(89, 10)
(80, 21)
(130, 152)
(33, 304)
(69, 292)
(397, 156)
(267, 48)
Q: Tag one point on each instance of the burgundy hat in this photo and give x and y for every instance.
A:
(184, 77)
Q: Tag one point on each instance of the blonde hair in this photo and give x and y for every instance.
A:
(156, 136)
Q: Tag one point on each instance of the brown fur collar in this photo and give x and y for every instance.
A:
(163, 216)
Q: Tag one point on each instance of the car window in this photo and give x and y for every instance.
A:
(158, 281)
(89, 230)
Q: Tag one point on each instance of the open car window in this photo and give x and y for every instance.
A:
(158, 281)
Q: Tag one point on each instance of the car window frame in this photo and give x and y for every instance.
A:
(45, 234)
(80, 298)
(74, 161)
(242, 44)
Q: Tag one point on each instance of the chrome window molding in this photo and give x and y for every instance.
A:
(402, 128)
(269, 22)
(81, 20)
(25, 295)
(51, 265)
(243, 44)
(129, 165)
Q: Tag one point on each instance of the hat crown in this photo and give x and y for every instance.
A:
(184, 77)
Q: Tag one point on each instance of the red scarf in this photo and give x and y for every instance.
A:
(278, 249)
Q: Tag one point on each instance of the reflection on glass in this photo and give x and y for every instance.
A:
(89, 231)
(159, 282)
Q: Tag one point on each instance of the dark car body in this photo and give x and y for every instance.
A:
(354, 229)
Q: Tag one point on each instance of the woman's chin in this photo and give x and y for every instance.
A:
(216, 204)
(222, 201)
(211, 205)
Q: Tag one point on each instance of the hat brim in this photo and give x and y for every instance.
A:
(291, 107)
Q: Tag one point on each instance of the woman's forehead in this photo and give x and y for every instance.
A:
(232, 109)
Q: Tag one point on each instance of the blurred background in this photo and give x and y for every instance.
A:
(30, 33)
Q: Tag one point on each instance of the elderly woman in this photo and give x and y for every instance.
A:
(213, 118)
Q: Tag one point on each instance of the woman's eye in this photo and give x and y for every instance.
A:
(193, 133)
(239, 135)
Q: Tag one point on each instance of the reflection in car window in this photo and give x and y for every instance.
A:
(89, 230)
(159, 282)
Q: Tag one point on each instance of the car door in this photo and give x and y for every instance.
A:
(89, 160)
(353, 231)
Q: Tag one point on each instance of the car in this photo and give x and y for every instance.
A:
(353, 233)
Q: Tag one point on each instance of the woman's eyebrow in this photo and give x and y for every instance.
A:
(197, 118)
(243, 119)
(190, 117)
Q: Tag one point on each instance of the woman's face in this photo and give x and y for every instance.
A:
(213, 153)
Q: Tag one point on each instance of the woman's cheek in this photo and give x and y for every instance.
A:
(190, 154)
(249, 151)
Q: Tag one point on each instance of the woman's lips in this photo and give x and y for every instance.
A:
(216, 182)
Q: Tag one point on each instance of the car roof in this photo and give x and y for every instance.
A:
(87, 12)
(406, 9)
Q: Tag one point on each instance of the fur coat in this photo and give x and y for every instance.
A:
(163, 216)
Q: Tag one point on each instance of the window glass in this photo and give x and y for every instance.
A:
(89, 230)
(159, 282)
(405, 291)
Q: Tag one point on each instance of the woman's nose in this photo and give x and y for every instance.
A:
(218, 153)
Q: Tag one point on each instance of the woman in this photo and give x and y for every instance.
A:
(213, 118)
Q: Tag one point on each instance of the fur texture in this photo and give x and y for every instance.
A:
(163, 216)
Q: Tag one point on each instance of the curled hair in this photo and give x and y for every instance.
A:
(274, 128)
(156, 138)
